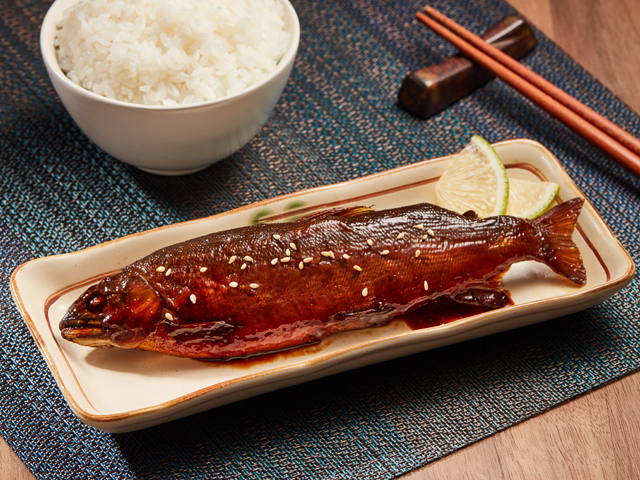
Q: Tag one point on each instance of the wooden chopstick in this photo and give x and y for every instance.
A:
(549, 88)
(603, 134)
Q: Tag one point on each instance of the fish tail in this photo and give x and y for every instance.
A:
(559, 224)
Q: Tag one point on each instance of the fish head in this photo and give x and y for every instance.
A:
(118, 311)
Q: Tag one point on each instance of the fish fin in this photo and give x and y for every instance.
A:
(489, 294)
(483, 296)
(335, 212)
(559, 224)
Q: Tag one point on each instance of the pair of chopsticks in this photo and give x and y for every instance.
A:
(610, 139)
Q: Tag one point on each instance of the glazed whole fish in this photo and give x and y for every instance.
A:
(270, 287)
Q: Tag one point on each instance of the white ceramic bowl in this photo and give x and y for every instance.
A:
(169, 140)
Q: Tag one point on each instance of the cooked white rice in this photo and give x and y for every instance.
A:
(170, 52)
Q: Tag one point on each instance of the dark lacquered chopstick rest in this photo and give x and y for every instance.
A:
(430, 90)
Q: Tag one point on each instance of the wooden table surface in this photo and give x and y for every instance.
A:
(596, 435)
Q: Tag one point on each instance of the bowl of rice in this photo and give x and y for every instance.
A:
(170, 86)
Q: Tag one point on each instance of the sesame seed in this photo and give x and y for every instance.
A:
(168, 316)
(167, 273)
(253, 285)
(400, 236)
(365, 292)
(345, 256)
(160, 269)
(426, 285)
(419, 226)
(274, 261)
(203, 269)
(244, 265)
(424, 237)
(233, 284)
(370, 242)
(308, 259)
(293, 246)
(417, 253)
(430, 232)
(328, 254)
(232, 259)
(358, 268)
(276, 236)
(384, 252)
(285, 259)
(301, 265)
(288, 252)
(192, 297)
(248, 259)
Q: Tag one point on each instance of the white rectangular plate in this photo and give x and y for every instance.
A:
(123, 390)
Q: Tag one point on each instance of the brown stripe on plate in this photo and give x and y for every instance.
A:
(337, 203)
(53, 298)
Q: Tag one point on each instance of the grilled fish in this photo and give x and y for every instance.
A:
(270, 287)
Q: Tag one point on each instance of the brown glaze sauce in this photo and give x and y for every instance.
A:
(271, 357)
(438, 312)
(441, 311)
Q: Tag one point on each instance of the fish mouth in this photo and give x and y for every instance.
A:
(87, 336)
(73, 332)
(83, 331)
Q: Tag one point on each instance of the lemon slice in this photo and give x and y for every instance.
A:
(476, 180)
(530, 199)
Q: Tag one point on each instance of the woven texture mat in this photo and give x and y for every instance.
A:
(338, 119)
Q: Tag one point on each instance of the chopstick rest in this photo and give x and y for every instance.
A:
(430, 90)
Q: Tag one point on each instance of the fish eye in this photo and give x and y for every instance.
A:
(96, 303)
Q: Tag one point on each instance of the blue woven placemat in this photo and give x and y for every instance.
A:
(338, 119)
